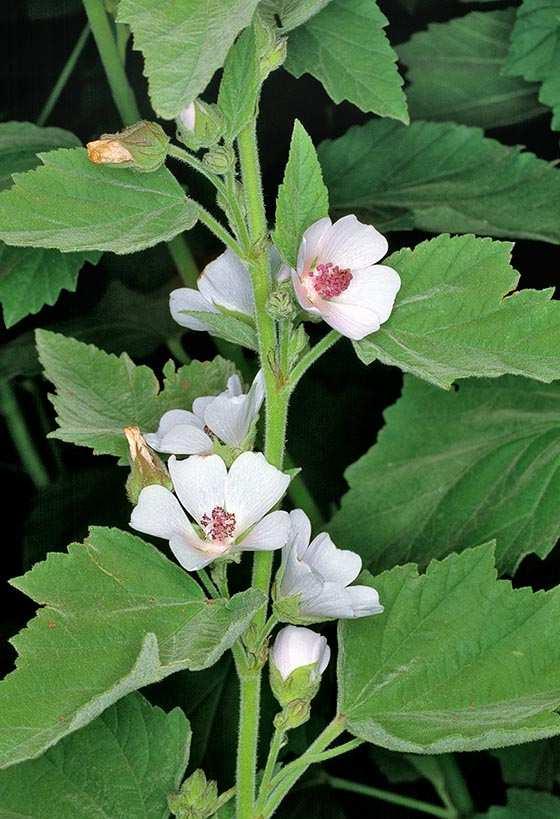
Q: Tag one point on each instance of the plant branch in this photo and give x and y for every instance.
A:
(456, 785)
(219, 230)
(389, 796)
(21, 438)
(64, 75)
(312, 356)
(302, 497)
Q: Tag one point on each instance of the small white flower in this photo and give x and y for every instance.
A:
(318, 575)
(229, 508)
(337, 276)
(297, 647)
(230, 416)
(224, 283)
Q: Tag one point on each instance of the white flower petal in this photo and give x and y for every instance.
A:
(231, 417)
(226, 282)
(199, 482)
(187, 117)
(190, 558)
(168, 420)
(270, 533)
(234, 386)
(376, 286)
(186, 439)
(302, 296)
(351, 244)
(296, 647)
(332, 564)
(331, 601)
(199, 407)
(364, 601)
(159, 513)
(253, 487)
(312, 243)
(300, 531)
(187, 299)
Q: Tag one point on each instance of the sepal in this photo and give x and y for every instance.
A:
(200, 125)
(146, 468)
(142, 146)
(197, 798)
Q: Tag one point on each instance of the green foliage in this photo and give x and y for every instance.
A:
(98, 394)
(240, 84)
(20, 142)
(532, 765)
(302, 197)
(71, 204)
(462, 661)
(117, 615)
(451, 470)
(229, 327)
(32, 277)
(124, 763)
(292, 13)
(535, 50)
(456, 72)
(441, 177)
(183, 44)
(346, 49)
(525, 804)
(456, 316)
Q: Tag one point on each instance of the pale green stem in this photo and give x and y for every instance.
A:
(218, 230)
(311, 356)
(209, 586)
(276, 745)
(64, 75)
(21, 438)
(389, 796)
(184, 260)
(456, 786)
(122, 37)
(176, 349)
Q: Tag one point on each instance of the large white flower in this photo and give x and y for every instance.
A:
(229, 508)
(224, 284)
(230, 416)
(338, 279)
(315, 578)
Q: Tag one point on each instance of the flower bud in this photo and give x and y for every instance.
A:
(297, 659)
(142, 146)
(299, 342)
(197, 798)
(220, 160)
(272, 48)
(281, 304)
(146, 468)
(200, 125)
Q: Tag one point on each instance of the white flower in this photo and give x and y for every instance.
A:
(230, 416)
(318, 575)
(296, 647)
(337, 277)
(229, 508)
(224, 284)
(187, 117)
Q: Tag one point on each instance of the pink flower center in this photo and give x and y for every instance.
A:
(330, 280)
(219, 524)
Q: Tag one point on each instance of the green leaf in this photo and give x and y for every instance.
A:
(462, 662)
(400, 768)
(32, 277)
(451, 470)
(71, 204)
(292, 13)
(525, 804)
(535, 50)
(456, 316)
(183, 44)
(98, 394)
(124, 763)
(20, 142)
(228, 326)
(117, 616)
(455, 70)
(444, 177)
(532, 765)
(302, 196)
(240, 84)
(346, 49)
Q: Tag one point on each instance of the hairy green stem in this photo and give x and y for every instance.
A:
(123, 94)
(389, 796)
(184, 260)
(21, 438)
(456, 785)
(276, 745)
(64, 75)
(312, 355)
(249, 710)
(218, 230)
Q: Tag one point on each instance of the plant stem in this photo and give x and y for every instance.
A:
(218, 230)
(21, 438)
(123, 95)
(302, 497)
(456, 785)
(206, 581)
(64, 75)
(249, 710)
(388, 796)
(276, 745)
(312, 356)
(184, 260)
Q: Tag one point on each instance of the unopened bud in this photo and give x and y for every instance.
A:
(142, 146)
(146, 468)
(297, 660)
(272, 48)
(200, 125)
(296, 713)
(197, 798)
(220, 160)
(299, 342)
(281, 304)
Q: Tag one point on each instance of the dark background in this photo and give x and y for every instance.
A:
(338, 409)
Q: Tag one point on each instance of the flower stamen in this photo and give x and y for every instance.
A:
(219, 525)
(330, 280)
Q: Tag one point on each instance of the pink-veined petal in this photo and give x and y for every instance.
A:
(199, 482)
(253, 487)
(351, 244)
(186, 439)
(226, 283)
(312, 242)
(270, 533)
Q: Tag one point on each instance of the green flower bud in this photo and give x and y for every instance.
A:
(299, 342)
(146, 468)
(296, 713)
(142, 146)
(197, 798)
(220, 160)
(200, 125)
(272, 48)
(297, 660)
(281, 304)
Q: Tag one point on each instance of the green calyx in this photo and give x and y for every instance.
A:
(294, 694)
(142, 146)
(220, 159)
(203, 129)
(287, 610)
(197, 798)
(281, 304)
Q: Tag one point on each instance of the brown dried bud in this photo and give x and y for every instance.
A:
(146, 468)
(142, 146)
(108, 151)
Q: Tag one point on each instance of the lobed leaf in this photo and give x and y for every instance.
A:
(291, 13)
(116, 615)
(458, 661)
